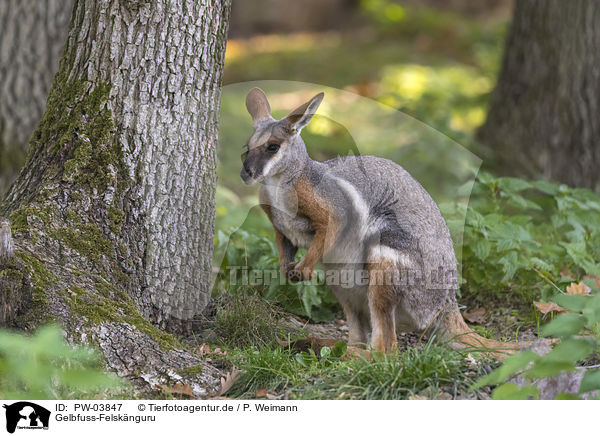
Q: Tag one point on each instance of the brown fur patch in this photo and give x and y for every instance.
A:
(382, 305)
(323, 220)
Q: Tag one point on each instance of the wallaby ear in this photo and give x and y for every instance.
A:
(258, 105)
(301, 116)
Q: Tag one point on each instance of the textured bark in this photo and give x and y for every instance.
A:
(6, 246)
(113, 214)
(33, 34)
(543, 119)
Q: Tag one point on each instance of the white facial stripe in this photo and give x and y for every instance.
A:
(269, 166)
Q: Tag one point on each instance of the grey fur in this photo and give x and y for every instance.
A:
(381, 208)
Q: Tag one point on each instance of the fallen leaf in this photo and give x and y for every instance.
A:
(476, 316)
(595, 278)
(261, 393)
(549, 307)
(203, 349)
(229, 380)
(578, 289)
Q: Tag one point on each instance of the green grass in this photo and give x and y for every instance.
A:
(428, 371)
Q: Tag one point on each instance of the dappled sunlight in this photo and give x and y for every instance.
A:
(457, 90)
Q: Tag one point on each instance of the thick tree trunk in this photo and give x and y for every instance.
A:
(113, 215)
(543, 119)
(31, 39)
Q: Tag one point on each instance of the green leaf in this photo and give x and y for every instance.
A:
(566, 324)
(574, 303)
(325, 352)
(511, 365)
(545, 187)
(543, 368)
(590, 381)
(540, 263)
(570, 350)
(522, 203)
(513, 184)
(481, 248)
(510, 263)
(564, 396)
(339, 349)
(511, 391)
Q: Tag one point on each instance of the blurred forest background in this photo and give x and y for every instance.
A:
(530, 227)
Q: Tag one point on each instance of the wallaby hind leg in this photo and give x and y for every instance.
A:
(382, 307)
(357, 319)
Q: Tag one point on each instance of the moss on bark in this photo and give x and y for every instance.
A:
(110, 304)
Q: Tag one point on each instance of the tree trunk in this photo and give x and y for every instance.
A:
(113, 215)
(543, 119)
(33, 34)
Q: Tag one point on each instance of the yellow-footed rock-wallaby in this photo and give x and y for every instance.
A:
(363, 217)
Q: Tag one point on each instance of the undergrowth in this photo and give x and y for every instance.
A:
(425, 372)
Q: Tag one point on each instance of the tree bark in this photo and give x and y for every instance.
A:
(33, 34)
(543, 118)
(113, 214)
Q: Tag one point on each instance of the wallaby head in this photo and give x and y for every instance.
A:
(275, 147)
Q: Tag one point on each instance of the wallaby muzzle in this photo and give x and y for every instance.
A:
(246, 175)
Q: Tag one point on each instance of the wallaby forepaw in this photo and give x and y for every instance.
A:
(294, 276)
(300, 274)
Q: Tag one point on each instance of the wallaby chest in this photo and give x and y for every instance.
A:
(283, 201)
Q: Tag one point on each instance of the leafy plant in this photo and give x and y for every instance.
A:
(519, 234)
(44, 366)
(579, 333)
(251, 260)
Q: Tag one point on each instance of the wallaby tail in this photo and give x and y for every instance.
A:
(462, 336)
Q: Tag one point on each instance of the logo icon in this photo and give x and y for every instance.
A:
(26, 415)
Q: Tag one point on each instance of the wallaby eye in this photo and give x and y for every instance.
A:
(272, 148)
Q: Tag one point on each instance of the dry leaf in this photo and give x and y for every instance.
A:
(578, 289)
(549, 307)
(203, 349)
(261, 393)
(229, 380)
(595, 278)
(476, 316)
